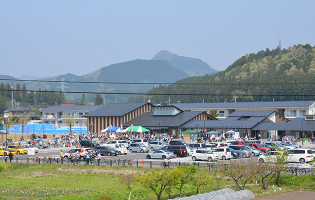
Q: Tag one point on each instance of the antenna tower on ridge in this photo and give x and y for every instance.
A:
(280, 43)
(63, 85)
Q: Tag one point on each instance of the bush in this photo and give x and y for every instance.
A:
(104, 197)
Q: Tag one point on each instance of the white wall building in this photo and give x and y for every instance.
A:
(54, 115)
(289, 109)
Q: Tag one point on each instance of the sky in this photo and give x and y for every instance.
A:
(50, 38)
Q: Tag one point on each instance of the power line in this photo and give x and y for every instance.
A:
(104, 82)
(165, 94)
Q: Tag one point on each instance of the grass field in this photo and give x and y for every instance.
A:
(33, 181)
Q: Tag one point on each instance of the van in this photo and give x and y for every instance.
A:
(300, 155)
(156, 145)
(223, 153)
(194, 146)
(143, 141)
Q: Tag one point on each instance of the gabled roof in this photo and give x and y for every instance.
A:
(150, 120)
(31, 115)
(296, 124)
(20, 109)
(70, 108)
(262, 113)
(115, 109)
(237, 120)
(229, 123)
(235, 105)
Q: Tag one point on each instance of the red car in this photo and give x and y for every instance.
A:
(258, 147)
(235, 142)
(76, 152)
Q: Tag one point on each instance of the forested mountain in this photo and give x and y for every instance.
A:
(136, 71)
(278, 72)
(191, 66)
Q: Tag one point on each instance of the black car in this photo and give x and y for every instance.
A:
(106, 150)
(176, 142)
(179, 150)
(88, 143)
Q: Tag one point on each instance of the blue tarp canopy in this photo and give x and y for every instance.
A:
(44, 128)
(230, 132)
(110, 129)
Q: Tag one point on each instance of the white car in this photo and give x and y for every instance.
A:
(161, 154)
(199, 154)
(193, 146)
(223, 153)
(300, 155)
(121, 148)
(28, 146)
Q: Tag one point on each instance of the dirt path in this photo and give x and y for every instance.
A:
(300, 195)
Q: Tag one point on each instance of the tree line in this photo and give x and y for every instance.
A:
(30, 99)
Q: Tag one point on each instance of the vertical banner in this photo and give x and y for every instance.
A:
(131, 127)
(121, 126)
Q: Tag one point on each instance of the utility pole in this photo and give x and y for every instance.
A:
(12, 93)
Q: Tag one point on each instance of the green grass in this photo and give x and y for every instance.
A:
(33, 181)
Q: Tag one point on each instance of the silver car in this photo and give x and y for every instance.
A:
(291, 143)
(155, 145)
(288, 146)
(161, 154)
(241, 150)
(138, 147)
(275, 146)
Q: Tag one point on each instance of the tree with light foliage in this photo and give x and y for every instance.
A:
(183, 175)
(69, 121)
(200, 178)
(156, 181)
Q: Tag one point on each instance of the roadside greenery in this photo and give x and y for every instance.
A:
(24, 181)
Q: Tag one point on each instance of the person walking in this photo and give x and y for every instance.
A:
(61, 154)
(10, 156)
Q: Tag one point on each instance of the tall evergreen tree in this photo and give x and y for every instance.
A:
(24, 97)
(17, 93)
(98, 100)
(82, 101)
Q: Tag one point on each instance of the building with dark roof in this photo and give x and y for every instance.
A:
(115, 114)
(143, 114)
(289, 109)
(170, 118)
(241, 121)
(54, 115)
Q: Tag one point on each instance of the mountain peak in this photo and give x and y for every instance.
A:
(164, 55)
(191, 66)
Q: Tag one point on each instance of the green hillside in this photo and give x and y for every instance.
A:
(191, 66)
(265, 72)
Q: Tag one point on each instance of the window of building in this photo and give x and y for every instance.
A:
(292, 113)
(302, 113)
(165, 111)
(221, 113)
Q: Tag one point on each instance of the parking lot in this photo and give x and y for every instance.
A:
(136, 159)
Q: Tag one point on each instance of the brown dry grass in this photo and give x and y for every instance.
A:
(100, 171)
